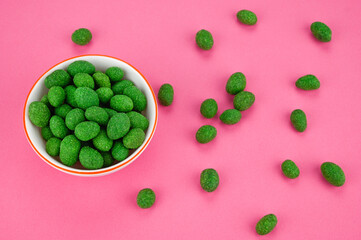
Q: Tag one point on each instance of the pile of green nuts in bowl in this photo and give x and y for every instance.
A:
(90, 116)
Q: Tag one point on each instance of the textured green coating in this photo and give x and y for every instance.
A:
(137, 120)
(104, 94)
(81, 67)
(102, 142)
(62, 110)
(321, 31)
(115, 74)
(308, 82)
(333, 174)
(57, 78)
(39, 114)
(134, 138)
(299, 120)
(108, 159)
(138, 98)
(86, 130)
(247, 17)
(204, 39)
(45, 100)
(53, 146)
(81, 36)
(119, 87)
(90, 158)
(206, 133)
(101, 79)
(83, 80)
(119, 152)
(243, 100)
(70, 95)
(166, 94)
(56, 96)
(121, 103)
(118, 126)
(86, 97)
(209, 180)
(145, 198)
(290, 169)
(69, 150)
(236, 83)
(74, 117)
(230, 116)
(266, 224)
(46, 133)
(209, 108)
(58, 127)
(110, 112)
(97, 114)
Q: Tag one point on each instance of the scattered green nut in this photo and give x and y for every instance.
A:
(108, 159)
(115, 74)
(119, 152)
(119, 87)
(45, 100)
(101, 79)
(333, 174)
(247, 17)
(62, 110)
(70, 95)
(102, 142)
(145, 198)
(83, 80)
(69, 150)
(290, 169)
(81, 36)
(57, 78)
(206, 133)
(39, 114)
(121, 103)
(243, 100)
(166, 94)
(230, 116)
(209, 180)
(104, 94)
(52, 146)
(204, 39)
(80, 66)
(118, 126)
(46, 133)
(138, 98)
(321, 31)
(90, 158)
(56, 96)
(86, 97)
(110, 112)
(87, 130)
(134, 138)
(266, 224)
(97, 114)
(209, 108)
(137, 120)
(308, 82)
(299, 120)
(74, 117)
(58, 127)
(236, 83)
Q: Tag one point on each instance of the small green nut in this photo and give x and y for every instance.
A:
(39, 114)
(74, 117)
(101, 80)
(102, 142)
(46, 133)
(243, 100)
(52, 146)
(290, 169)
(104, 94)
(118, 126)
(86, 97)
(56, 96)
(236, 83)
(45, 100)
(90, 158)
(204, 39)
(121, 103)
(137, 120)
(308, 82)
(247, 17)
(108, 159)
(231, 116)
(138, 98)
(266, 224)
(58, 127)
(119, 152)
(70, 95)
(299, 120)
(110, 112)
(81, 36)
(119, 87)
(62, 110)
(145, 198)
(209, 180)
(321, 31)
(115, 74)
(80, 66)
(209, 108)
(87, 130)
(134, 138)
(206, 133)
(57, 78)
(333, 174)
(69, 150)
(97, 114)
(166, 94)
(83, 80)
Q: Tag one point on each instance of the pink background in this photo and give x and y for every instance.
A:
(39, 202)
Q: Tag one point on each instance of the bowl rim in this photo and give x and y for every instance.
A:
(98, 171)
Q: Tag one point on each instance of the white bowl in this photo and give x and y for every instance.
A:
(101, 62)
